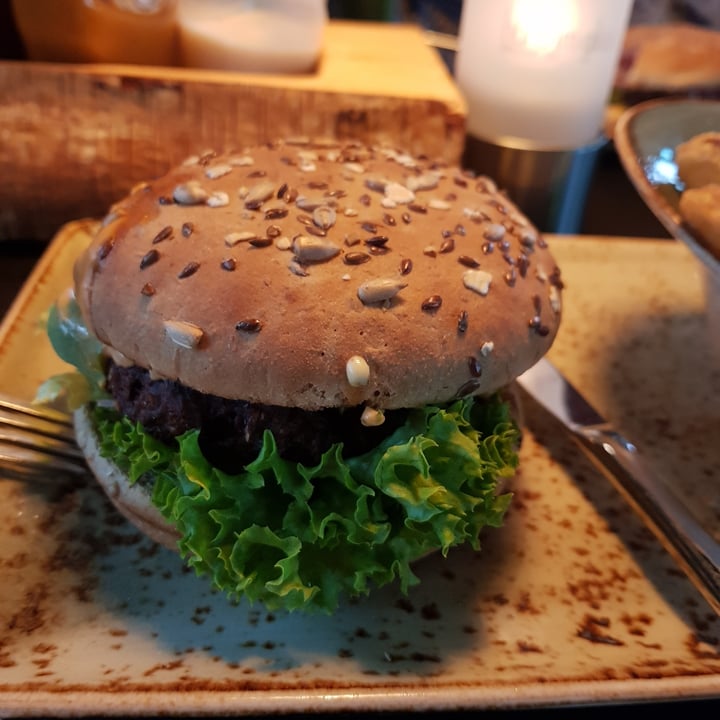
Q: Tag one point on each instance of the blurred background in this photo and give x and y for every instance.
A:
(440, 19)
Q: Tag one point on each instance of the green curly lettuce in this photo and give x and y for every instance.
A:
(301, 538)
(296, 537)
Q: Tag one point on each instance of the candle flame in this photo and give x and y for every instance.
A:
(541, 26)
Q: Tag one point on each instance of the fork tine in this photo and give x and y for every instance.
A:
(23, 463)
(40, 442)
(37, 441)
(37, 425)
(23, 408)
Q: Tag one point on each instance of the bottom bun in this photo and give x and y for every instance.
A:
(132, 501)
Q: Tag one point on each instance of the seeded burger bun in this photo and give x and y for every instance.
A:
(261, 275)
(297, 298)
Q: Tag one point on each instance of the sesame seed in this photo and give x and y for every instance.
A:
(312, 249)
(297, 269)
(372, 417)
(216, 171)
(406, 266)
(478, 281)
(438, 204)
(228, 264)
(258, 194)
(357, 371)
(234, 238)
(148, 289)
(190, 193)
(184, 334)
(379, 290)
(555, 302)
(187, 229)
(324, 217)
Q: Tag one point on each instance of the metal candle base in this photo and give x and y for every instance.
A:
(549, 186)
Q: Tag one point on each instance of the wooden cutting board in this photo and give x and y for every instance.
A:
(75, 138)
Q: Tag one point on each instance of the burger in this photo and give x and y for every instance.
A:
(295, 363)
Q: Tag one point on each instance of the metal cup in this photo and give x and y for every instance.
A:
(549, 186)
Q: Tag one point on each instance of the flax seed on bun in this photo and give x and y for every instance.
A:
(315, 275)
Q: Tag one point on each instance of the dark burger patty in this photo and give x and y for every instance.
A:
(231, 431)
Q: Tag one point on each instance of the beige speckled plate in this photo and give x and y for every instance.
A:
(573, 601)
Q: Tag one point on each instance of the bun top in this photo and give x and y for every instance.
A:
(320, 275)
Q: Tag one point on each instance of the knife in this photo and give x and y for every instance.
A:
(694, 550)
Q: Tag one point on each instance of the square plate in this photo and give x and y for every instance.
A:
(571, 602)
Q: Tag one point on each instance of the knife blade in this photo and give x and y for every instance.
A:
(694, 550)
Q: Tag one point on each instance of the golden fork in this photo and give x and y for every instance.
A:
(37, 442)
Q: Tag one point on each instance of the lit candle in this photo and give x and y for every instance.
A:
(539, 72)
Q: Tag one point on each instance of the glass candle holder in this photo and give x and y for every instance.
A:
(539, 72)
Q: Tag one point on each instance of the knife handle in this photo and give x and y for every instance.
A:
(673, 524)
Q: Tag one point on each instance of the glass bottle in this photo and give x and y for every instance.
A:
(111, 31)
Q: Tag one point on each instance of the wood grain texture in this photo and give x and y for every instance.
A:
(75, 138)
